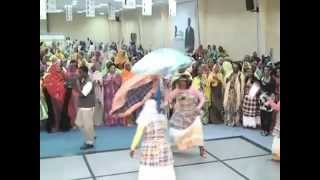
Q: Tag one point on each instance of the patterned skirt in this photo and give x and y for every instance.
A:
(156, 153)
(187, 138)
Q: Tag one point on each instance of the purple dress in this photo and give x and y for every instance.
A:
(112, 83)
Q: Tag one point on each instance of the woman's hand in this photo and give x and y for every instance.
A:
(132, 153)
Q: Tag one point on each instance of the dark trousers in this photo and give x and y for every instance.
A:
(266, 120)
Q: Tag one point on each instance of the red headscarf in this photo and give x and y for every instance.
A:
(54, 83)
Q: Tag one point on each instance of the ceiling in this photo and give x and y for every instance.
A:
(78, 6)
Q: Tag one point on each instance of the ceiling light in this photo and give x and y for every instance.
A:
(118, 0)
(80, 12)
(102, 14)
(74, 2)
(56, 11)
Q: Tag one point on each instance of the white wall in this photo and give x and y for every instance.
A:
(152, 31)
(43, 26)
(273, 27)
(228, 23)
(221, 22)
(81, 27)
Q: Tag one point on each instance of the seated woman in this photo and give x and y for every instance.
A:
(222, 52)
(156, 160)
(186, 128)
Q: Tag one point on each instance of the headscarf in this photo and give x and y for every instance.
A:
(121, 58)
(54, 82)
(126, 74)
(227, 69)
(149, 113)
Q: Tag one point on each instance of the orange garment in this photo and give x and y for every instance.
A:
(126, 75)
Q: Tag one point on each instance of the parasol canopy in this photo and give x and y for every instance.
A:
(164, 61)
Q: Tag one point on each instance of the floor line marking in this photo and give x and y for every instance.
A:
(228, 166)
(88, 166)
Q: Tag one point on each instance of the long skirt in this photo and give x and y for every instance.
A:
(216, 108)
(156, 173)
(187, 138)
(232, 115)
(43, 109)
(50, 120)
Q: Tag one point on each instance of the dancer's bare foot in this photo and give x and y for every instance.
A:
(202, 152)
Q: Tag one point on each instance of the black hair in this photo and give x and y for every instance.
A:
(73, 61)
(110, 64)
(85, 69)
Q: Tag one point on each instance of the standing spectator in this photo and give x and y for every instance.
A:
(86, 108)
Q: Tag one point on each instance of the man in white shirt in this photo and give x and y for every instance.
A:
(84, 119)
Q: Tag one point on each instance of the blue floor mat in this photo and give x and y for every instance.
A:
(68, 143)
(111, 138)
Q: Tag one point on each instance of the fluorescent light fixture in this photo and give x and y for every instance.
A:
(56, 11)
(117, 0)
(74, 2)
(102, 14)
(101, 5)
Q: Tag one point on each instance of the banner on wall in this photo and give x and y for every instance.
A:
(43, 9)
(52, 5)
(147, 7)
(172, 7)
(184, 27)
(128, 4)
(68, 12)
(90, 8)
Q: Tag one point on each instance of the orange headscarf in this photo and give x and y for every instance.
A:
(126, 74)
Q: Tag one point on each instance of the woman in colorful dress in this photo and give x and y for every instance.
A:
(126, 75)
(206, 90)
(111, 82)
(156, 160)
(232, 99)
(54, 84)
(186, 128)
(71, 77)
(268, 89)
(43, 105)
(250, 106)
(215, 82)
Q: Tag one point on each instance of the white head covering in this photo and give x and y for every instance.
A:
(149, 113)
(254, 90)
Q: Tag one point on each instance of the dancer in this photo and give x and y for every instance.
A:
(86, 103)
(185, 125)
(156, 160)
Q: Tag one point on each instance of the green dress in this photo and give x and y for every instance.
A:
(43, 107)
